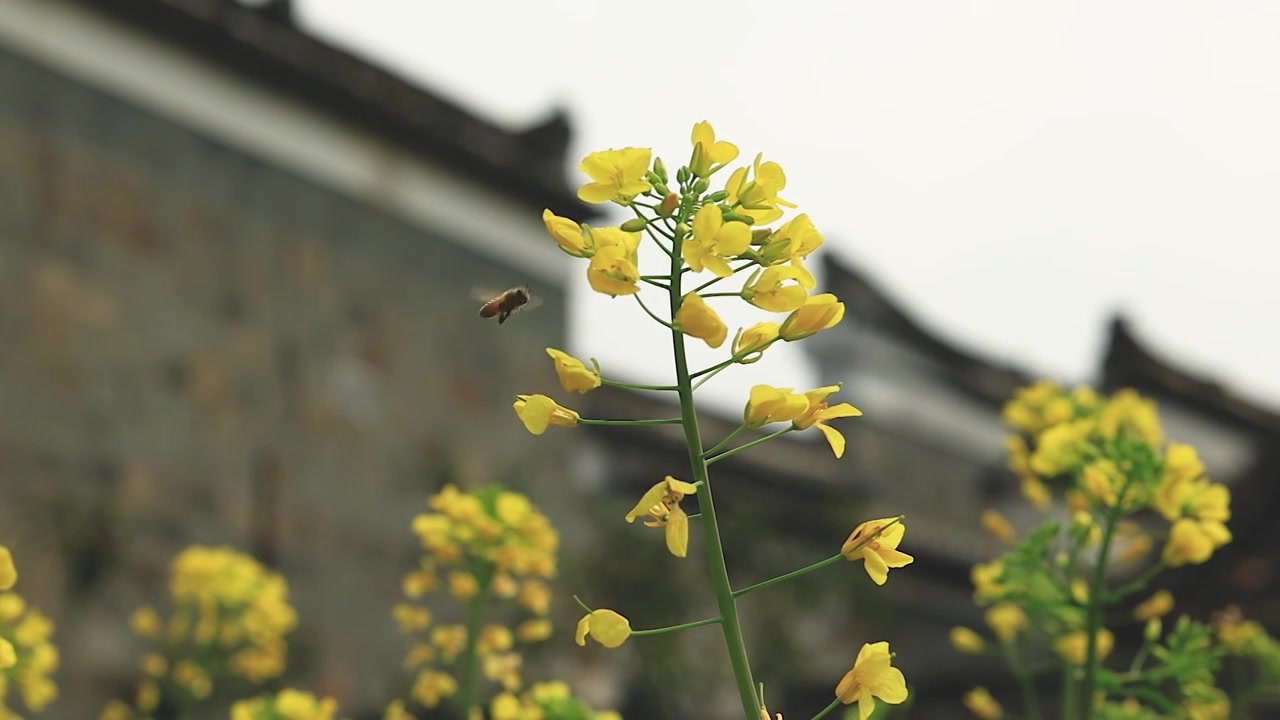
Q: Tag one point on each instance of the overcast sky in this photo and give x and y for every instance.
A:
(1012, 172)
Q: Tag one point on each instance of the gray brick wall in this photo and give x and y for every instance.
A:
(188, 333)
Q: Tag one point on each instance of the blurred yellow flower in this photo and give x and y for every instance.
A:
(817, 313)
(966, 640)
(980, 703)
(616, 175)
(1035, 492)
(605, 627)
(986, 585)
(463, 585)
(1158, 605)
(999, 526)
(538, 412)
(432, 686)
(872, 676)
(1006, 620)
(1073, 646)
(1061, 447)
(818, 412)
(535, 630)
(878, 553)
(574, 374)
(709, 155)
(395, 711)
(8, 572)
(1193, 541)
(697, 319)
(1102, 480)
(1126, 409)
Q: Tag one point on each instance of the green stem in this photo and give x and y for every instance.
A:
(722, 294)
(717, 279)
(655, 283)
(636, 386)
(1068, 691)
(1136, 584)
(726, 440)
(1096, 594)
(782, 578)
(823, 713)
(471, 658)
(660, 321)
(715, 550)
(1031, 704)
(654, 421)
(751, 444)
(673, 628)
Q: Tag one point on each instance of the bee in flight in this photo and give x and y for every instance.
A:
(506, 303)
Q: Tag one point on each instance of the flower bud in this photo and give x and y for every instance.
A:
(718, 196)
(736, 217)
(636, 224)
(701, 186)
(682, 175)
(660, 169)
(670, 202)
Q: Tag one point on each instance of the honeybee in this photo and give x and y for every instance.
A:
(506, 303)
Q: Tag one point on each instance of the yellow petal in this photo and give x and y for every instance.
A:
(834, 438)
(889, 685)
(895, 558)
(678, 532)
(680, 486)
(866, 704)
(580, 635)
(876, 568)
(651, 497)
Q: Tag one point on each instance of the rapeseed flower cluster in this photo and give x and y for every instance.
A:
(288, 704)
(489, 545)
(229, 617)
(1109, 460)
(28, 657)
(721, 228)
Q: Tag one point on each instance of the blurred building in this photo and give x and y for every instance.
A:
(236, 272)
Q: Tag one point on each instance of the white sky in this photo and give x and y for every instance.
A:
(1011, 171)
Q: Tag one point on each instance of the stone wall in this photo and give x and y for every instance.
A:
(199, 348)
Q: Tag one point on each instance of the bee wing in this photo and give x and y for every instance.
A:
(534, 301)
(485, 294)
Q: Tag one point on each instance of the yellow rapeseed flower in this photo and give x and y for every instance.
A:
(980, 703)
(696, 318)
(463, 585)
(751, 342)
(614, 268)
(713, 241)
(1060, 447)
(872, 676)
(569, 235)
(998, 525)
(535, 630)
(818, 412)
(878, 552)
(605, 627)
(792, 241)
(1193, 541)
(1006, 620)
(966, 640)
(538, 412)
(395, 711)
(709, 155)
(1073, 646)
(432, 686)
(1034, 490)
(662, 503)
(616, 175)
(574, 374)
(818, 312)
(1037, 406)
(1158, 605)
(768, 404)
(8, 572)
(1126, 409)
(986, 585)
(775, 289)
(758, 197)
